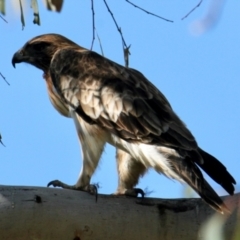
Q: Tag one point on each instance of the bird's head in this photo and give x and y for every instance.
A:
(40, 50)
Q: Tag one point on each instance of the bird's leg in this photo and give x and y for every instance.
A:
(92, 140)
(129, 172)
(90, 162)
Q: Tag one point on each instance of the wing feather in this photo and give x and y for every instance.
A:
(119, 99)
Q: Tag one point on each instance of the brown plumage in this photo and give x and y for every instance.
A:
(111, 103)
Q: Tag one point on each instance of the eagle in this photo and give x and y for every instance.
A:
(110, 103)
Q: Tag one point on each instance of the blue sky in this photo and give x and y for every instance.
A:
(199, 74)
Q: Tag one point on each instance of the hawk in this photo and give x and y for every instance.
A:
(119, 105)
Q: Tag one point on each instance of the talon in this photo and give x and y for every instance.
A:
(134, 192)
(91, 188)
(57, 183)
(131, 192)
(140, 191)
(53, 183)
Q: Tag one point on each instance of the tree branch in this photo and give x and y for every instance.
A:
(198, 5)
(93, 23)
(49, 213)
(1, 140)
(100, 43)
(4, 79)
(125, 47)
(148, 11)
(126, 53)
(118, 28)
(3, 18)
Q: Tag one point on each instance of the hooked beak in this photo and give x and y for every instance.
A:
(18, 57)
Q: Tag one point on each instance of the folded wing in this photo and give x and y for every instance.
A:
(119, 99)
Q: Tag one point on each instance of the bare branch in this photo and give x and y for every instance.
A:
(100, 43)
(93, 23)
(125, 47)
(118, 28)
(4, 79)
(192, 10)
(126, 54)
(3, 18)
(94, 29)
(75, 215)
(1, 141)
(148, 11)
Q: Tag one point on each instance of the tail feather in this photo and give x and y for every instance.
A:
(192, 175)
(217, 171)
(211, 197)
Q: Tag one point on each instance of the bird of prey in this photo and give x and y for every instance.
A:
(119, 105)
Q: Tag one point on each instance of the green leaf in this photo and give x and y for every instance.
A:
(22, 15)
(34, 6)
(54, 5)
(2, 7)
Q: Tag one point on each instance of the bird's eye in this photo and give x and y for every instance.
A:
(21, 52)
